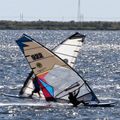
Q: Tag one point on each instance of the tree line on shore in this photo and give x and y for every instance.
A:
(54, 25)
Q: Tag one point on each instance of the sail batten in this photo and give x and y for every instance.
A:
(33, 48)
(70, 45)
(65, 54)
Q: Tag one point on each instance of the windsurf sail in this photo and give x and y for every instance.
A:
(56, 78)
(68, 49)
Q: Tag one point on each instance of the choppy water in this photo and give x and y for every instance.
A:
(98, 63)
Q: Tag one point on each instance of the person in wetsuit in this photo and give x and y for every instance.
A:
(36, 87)
(73, 98)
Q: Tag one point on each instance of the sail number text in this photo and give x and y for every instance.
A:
(37, 56)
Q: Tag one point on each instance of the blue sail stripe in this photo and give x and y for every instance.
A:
(48, 87)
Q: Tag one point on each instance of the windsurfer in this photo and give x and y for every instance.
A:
(37, 87)
(73, 98)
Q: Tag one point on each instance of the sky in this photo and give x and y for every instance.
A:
(60, 10)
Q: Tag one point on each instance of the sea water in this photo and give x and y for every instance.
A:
(98, 63)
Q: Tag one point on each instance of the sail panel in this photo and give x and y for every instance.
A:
(63, 79)
(68, 51)
(48, 88)
(36, 55)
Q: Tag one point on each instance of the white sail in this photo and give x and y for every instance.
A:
(69, 49)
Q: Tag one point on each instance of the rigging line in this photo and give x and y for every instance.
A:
(66, 88)
(67, 93)
(70, 87)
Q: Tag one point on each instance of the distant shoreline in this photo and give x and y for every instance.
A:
(54, 25)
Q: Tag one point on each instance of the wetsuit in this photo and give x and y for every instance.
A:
(73, 98)
(37, 87)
